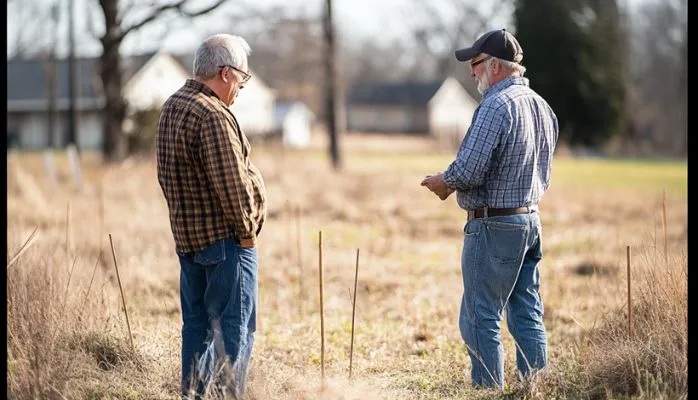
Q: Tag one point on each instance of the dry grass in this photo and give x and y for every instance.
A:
(67, 335)
(654, 361)
(649, 362)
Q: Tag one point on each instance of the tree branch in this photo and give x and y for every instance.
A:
(91, 22)
(178, 6)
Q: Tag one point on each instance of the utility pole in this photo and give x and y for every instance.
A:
(72, 80)
(331, 97)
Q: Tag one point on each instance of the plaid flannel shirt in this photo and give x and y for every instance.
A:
(505, 159)
(203, 165)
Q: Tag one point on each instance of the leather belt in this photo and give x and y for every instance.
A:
(485, 212)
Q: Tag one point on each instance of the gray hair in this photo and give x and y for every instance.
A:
(506, 65)
(217, 51)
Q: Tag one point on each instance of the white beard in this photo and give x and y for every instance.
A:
(483, 81)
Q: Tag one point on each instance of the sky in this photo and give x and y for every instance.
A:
(383, 19)
(380, 20)
(360, 18)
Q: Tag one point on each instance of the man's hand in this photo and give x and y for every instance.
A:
(436, 184)
(249, 243)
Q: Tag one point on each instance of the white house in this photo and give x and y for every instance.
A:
(154, 82)
(148, 81)
(451, 110)
(294, 121)
(432, 108)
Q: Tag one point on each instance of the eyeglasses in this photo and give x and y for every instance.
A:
(480, 61)
(245, 76)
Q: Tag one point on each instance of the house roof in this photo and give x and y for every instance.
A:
(28, 79)
(405, 93)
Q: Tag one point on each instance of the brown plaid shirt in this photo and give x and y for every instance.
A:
(203, 162)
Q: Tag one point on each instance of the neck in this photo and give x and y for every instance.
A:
(214, 85)
(501, 77)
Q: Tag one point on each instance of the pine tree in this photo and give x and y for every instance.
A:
(574, 54)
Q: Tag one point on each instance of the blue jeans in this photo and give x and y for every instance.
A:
(218, 288)
(500, 270)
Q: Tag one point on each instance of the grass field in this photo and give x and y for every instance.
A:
(68, 336)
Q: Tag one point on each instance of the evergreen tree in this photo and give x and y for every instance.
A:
(574, 53)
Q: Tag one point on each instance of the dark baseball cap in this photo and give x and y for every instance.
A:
(498, 43)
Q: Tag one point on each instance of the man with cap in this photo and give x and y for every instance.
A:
(501, 171)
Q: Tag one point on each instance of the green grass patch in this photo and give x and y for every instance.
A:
(644, 175)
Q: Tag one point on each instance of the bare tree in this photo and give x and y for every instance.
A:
(440, 33)
(52, 79)
(659, 69)
(115, 108)
(288, 53)
(373, 62)
(296, 54)
(39, 41)
(333, 103)
(26, 34)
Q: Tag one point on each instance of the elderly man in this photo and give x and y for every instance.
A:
(500, 173)
(217, 207)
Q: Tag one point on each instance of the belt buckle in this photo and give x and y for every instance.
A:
(484, 212)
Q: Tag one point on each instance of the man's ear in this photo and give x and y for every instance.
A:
(224, 75)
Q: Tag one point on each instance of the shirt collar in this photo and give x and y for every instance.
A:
(505, 83)
(201, 87)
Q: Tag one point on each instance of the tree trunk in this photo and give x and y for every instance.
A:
(683, 83)
(115, 106)
(113, 147)
(331, 89)
(73, 123)
(52, 95)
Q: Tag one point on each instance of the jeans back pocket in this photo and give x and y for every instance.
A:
(214, 254)
(505, 241)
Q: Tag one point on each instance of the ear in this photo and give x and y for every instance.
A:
(496, 67)
(224, 74)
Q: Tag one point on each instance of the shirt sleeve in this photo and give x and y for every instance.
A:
(225, 166)
(473, 161)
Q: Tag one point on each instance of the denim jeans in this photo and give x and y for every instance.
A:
(218, 288)
(500, 270)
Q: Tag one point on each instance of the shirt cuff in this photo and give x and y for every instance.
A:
(449, 179)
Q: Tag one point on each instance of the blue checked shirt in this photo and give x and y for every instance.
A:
(505, 158)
